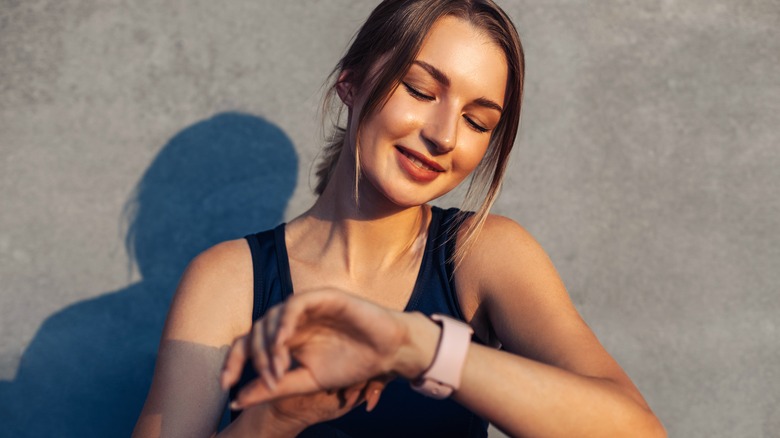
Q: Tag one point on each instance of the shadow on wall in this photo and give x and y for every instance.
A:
(87, 371)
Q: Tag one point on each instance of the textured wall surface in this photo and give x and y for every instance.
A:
(648, 165)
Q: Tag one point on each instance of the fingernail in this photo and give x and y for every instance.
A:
(278, 367)
(235, 405)
(372, 400)
(269, 381)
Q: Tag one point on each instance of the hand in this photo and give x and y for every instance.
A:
(326, 405)
(336, 339)
(291, 415)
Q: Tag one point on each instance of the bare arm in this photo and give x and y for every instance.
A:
(211, 307)
(555, 379)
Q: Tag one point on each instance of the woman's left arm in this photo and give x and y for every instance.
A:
(554, 377)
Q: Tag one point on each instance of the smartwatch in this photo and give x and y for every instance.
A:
(443, 376)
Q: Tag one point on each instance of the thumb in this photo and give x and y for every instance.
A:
(296, 382)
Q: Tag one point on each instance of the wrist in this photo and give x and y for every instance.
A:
(443, 376)
(418, 348)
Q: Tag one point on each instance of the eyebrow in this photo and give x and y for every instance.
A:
(443, 79)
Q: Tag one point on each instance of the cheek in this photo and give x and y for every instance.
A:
(400, 125)
(470, 156)
(396, 119)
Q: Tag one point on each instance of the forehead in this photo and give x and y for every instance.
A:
(468, 56)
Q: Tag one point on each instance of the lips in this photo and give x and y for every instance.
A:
(420, 161)
(418, 167)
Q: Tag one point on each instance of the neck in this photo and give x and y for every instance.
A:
(371, 234)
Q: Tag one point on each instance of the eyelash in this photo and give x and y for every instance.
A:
(426, 98)
(476, 127)
(417, 94)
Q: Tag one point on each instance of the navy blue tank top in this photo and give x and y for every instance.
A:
(401, 411)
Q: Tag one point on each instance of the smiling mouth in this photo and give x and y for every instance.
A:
(418, 162)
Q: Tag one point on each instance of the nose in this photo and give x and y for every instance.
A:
(441, 131)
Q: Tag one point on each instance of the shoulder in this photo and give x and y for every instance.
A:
(213, 302)
(500, 243)
(497, 228)
(514, 280)
(229, 257)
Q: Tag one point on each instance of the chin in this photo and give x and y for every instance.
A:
(408, 197)
(405, 200)
(404, 193)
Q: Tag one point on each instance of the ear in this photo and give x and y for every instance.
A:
(345, 88)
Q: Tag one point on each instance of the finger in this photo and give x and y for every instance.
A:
(367, 391)
(359, 391)
(310, 304)
(288, 320)
(254, 392)
(296, 382)
(234, 363)
(282, 360)
(278, 354)
(268, 332)
(373, 392)
(259, 356)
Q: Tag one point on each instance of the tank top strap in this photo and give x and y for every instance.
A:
(436, 279)
(451, 223)
(271, 269)
(271, 278)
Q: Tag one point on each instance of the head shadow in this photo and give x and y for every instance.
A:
(219, 179)
(87, 370)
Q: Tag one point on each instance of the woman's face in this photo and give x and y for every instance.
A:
(436, 125)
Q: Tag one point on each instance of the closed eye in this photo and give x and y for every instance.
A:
(417, 94)
(474, 125)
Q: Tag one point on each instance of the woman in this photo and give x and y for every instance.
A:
(432, 90)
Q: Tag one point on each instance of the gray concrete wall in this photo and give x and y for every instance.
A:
(647, 165)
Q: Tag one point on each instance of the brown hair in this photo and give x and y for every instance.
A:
(394, 33)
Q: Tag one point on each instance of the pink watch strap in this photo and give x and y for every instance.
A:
(443, 376)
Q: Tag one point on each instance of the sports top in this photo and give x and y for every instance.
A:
(401, 411)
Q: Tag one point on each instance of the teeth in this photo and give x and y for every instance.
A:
(417, 162)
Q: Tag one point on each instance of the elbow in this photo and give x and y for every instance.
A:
(633, 420)
(637, 419)
(656, 429)
(646, 425)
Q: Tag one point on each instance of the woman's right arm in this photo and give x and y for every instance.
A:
(212, 306)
